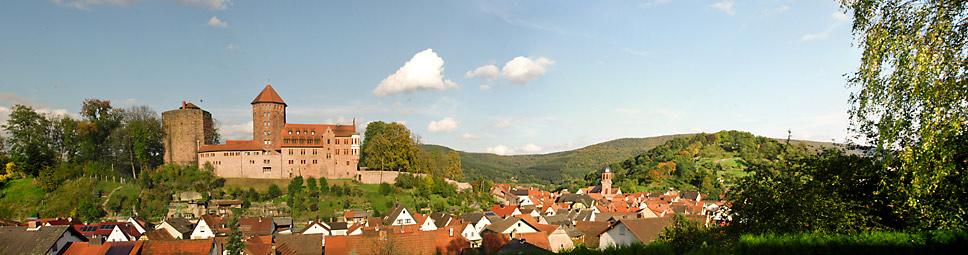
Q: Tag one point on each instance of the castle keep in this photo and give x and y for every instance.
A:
(186, 129)
(277, 150)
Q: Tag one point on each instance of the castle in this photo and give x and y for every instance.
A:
(277, 150)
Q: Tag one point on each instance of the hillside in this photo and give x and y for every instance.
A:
(552, 168)
(566, 166)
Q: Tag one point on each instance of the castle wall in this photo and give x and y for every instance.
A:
(185, 129)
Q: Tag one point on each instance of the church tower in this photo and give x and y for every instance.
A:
(607, 181)
(268, 118)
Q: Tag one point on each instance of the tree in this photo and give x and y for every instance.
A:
(311, 187)
(323, 185)
(392, 149)
(30, 139)
(98, 121)
(273, 191)
(234, 243)
(911, 104)
(453, 166)
(373, 130)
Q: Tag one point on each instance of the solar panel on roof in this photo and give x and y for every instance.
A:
(88, 229)
(107, 226)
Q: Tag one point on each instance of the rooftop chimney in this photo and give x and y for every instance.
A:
(183, 105)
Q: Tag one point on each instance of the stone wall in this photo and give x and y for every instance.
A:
(377, 177)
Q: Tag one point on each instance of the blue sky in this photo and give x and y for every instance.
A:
(509, 77)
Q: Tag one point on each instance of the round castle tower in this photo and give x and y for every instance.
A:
(186, 128)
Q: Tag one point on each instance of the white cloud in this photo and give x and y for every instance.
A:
(231, 130)
(402, 122)
(484, 72)
(520, 70)
(232, 47)
(628, 111)
(215, 22)
(725, 5)
(396, 105)
(422, 72)
(13, 99)
(502, 124)
(530, 148)
(817, 36)
(469, 136)
(776, 11)
(445, 125)
(485, 87)
(87, 4)
(653, 3)
(499, 150)
(130, 101)
(407, 111)
(340, 120)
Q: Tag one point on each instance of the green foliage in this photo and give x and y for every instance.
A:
(98, 120)
(31, 141)
(274, 191)
(687, 236)
(311, 188)
(928, 242)
(89, 209)
(831, 192)
(323, 186)
(654, 248)
(234, 243)
(910, 103)
(66, 199)
(386, 189)
(393, 148)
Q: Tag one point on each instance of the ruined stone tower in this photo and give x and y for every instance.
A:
(186, 128)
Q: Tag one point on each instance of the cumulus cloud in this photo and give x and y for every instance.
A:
(520, 70)
(484, 72)
(445, 125)
(215, 22)
(653, 3)
(502, 124)
(469, 136)
(13, 99)
(232, 47)
(422, 72)
(499, 150)
(529, 148)
(87, 4)
(725, 6)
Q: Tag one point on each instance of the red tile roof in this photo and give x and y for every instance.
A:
(256, 226)
(417, 243)
(503, 210)
(117, 248)
(268, 95)
(198, 246)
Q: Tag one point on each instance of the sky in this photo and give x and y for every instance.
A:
(505, 77)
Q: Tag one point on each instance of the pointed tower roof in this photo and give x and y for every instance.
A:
(268, 95)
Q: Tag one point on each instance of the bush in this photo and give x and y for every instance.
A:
(273, 191)
(928, 242)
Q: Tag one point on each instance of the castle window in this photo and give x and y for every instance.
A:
(328, 155)
(314, 162)
(302, 152)
(316, 141)
(251, 161)
(337, 141)
(314, 151)
(346, 140)
(290, 132)
(290, 162)
(297, 132)
(327, 141)
(347, 162)
(302, 162)
(346, 151)
(266, 169)
(314, 132)
(290, 151)
(337, 152)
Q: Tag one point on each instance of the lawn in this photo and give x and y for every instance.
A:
(20, 198)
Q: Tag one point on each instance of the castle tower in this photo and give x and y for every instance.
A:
(268, 118)
(186, 128)
(607, 181)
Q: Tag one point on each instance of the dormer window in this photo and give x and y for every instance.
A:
(290, 132)
(314, 133)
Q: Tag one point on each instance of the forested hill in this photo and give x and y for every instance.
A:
(708, 162)
(553, 168)
(571, 167)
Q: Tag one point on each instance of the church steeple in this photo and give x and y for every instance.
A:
(607, 180)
